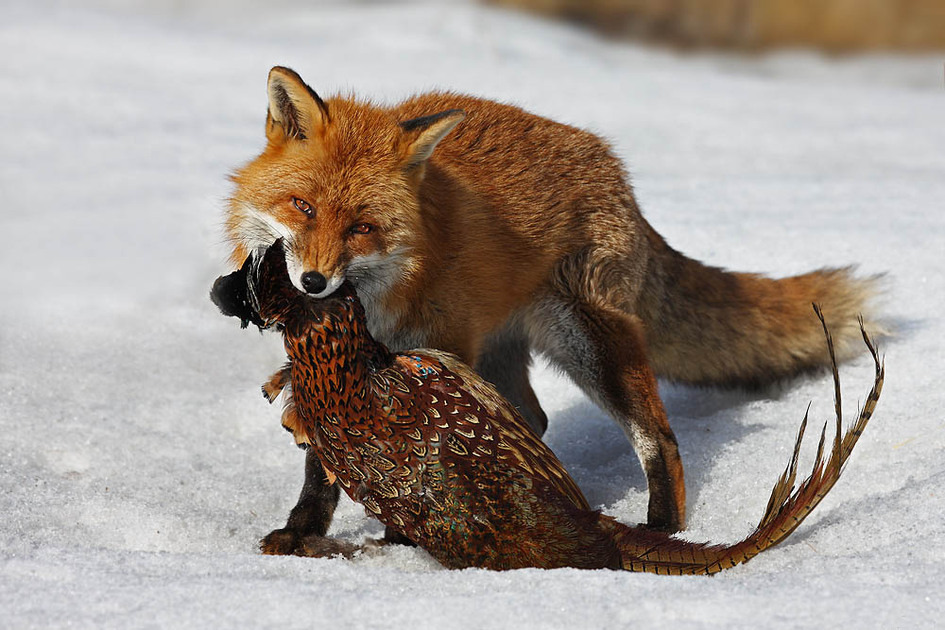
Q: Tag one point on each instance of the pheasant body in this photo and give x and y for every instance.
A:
(443, 460)
(435, 453)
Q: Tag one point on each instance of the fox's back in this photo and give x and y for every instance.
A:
(514, 203)
(536, 174)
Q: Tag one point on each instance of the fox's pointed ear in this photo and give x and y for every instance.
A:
(295, 110)
(424, 133)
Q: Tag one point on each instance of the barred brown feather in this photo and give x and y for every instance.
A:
(788, 505)
(436, 454)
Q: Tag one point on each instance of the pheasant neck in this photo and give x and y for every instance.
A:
(332, 357)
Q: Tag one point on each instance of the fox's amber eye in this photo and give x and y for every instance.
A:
(302, 206)
(362, 228)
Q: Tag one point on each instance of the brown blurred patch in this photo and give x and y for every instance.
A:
(839, 25)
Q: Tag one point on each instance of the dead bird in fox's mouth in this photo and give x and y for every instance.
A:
(436, 454)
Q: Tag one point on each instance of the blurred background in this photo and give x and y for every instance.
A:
(842, 26)
(835, 25)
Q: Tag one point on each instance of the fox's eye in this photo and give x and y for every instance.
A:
(362, 228)
(302, 206)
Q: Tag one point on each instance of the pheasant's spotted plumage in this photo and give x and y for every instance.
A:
(436, 454)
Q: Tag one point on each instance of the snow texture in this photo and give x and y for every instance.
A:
(139, 465)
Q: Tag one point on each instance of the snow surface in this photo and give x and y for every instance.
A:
(139, 465)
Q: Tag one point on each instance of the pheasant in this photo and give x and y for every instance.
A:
(435, 453)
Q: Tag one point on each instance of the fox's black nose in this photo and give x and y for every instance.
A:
(314, 282)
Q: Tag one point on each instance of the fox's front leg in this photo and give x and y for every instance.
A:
(304, 532)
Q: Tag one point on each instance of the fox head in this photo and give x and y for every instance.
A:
(339, 182)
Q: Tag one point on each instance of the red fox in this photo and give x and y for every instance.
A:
(477, 228)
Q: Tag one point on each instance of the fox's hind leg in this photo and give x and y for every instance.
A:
(602, 349)
(304, 532)
(504, 362)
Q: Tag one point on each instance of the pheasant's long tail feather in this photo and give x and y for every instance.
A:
(788, 505)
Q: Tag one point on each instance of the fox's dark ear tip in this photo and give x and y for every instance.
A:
(424, 122)
(283, 70)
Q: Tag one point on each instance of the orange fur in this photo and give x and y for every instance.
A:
(495, 232)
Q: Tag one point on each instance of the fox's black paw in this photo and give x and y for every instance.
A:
(287, 542)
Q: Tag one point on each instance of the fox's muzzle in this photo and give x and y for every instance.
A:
(314, 282)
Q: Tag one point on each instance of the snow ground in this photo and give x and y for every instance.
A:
(139, 465)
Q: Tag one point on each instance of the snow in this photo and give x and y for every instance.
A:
(139, 465)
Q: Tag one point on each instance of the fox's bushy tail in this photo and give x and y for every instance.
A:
(708, 326)
(788, 506)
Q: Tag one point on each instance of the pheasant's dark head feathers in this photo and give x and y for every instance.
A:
(260, 292)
